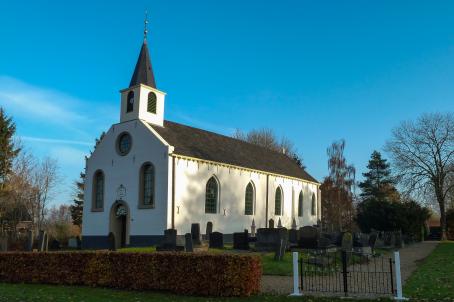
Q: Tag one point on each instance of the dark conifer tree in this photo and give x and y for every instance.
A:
(78, 202)
(8, 150)
(378, 183)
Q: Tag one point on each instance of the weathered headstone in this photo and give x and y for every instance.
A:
(188, 247)
(294, 224)
(308, 237)
(271, 224)
(54, 245)
(216, 240)
(253, 228)
(347, 242)
(209, 229)
(269, 239)
(279, 223)
(169, 241)
(72, 243)
(293, 236)
(241, 241)
(3, 243)
(195, 232)
(29, 243)
(111, 242)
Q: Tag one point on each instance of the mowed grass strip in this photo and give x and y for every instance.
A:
(434, 278)
(54, 293)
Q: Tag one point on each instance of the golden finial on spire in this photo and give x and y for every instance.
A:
(145, 29)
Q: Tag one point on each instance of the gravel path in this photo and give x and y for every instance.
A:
(410, 257)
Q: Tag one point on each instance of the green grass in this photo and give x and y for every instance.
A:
(434, 278)
(43, 293)
(150, 249)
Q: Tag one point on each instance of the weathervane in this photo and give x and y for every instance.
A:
(145, 23)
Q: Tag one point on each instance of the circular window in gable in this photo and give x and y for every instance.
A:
(124, 143)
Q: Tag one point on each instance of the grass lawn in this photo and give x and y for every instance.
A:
(434, 278)
(37, 292)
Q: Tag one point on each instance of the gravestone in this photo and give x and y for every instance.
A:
(271, 224)
(216, 240)
(279, 223)
(72, 243)
(241, 241)
(188, 247)
(372, 240)
(54, 245)
(269, 239)
(293, 236)
(398, 242)
(195, 232)
(29, 243)
(209, 229)
(111, 242)
(253, 228)
(169, 242)
(308, 237)
(3, 244)
(347, 242)
(294, 224)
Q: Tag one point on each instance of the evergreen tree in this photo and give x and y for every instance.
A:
(378, 183)
(8, 150)
(78, 206)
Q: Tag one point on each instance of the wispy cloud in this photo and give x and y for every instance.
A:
(54, 141)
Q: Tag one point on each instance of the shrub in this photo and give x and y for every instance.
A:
(182, 273)
(450, 223)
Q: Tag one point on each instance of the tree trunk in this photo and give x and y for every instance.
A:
(443, 220)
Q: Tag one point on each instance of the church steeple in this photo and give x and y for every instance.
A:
(143, 73)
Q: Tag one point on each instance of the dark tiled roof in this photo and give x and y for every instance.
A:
(143, 73)
(198, 143)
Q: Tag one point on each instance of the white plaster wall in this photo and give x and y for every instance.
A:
(124, 170)
(191, 179)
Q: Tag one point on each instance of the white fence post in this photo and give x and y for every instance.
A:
(296, 288)
(399, 295)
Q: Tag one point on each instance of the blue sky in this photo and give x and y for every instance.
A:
(314, 71)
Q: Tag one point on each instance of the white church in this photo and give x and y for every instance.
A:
(148, 174)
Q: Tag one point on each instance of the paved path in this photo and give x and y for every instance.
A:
(410, 257)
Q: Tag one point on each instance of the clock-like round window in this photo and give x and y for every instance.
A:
(124, 143)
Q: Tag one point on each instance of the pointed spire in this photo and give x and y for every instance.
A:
(143, 73)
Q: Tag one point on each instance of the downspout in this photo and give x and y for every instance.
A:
(173, 192)
(266, 204)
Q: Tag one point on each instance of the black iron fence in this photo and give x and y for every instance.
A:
(346, 272)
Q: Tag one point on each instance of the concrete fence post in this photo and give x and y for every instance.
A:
(296, 287)
(399, 294)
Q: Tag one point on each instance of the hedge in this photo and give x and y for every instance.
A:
(181, 273)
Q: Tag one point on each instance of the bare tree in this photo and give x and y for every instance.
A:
(422, 152)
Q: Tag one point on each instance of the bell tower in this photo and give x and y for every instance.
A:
(142, 100)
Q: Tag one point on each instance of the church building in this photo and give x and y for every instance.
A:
(148, 174)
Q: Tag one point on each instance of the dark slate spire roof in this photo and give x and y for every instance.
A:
(143, 73)
(202, 144)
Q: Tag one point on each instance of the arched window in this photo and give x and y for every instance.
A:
(147, 185)
(130, 102)
(314, 209)
(211, 196)
(249, 200)
(98, 190)
(278, 202)
(300, 205)
(151, 105)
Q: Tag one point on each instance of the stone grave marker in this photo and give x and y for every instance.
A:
(216, 240)
(209, 229)
(188, 247)
(269, 239)
(293, 236)
(253, 228)
(280, 252)
(308, 237)
(294, 224)
(241, 241)
(54, 245)
(271, 224)
(398, 242)
(195, 232)
(72, 243)
(111, 242)
(279, 223)
(169, 242)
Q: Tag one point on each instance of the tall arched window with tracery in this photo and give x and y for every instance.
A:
(278, 202)
(300, 204)
(249, 200)
(147, 185)
(98, 190)
(314, 206)
(211, 196)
